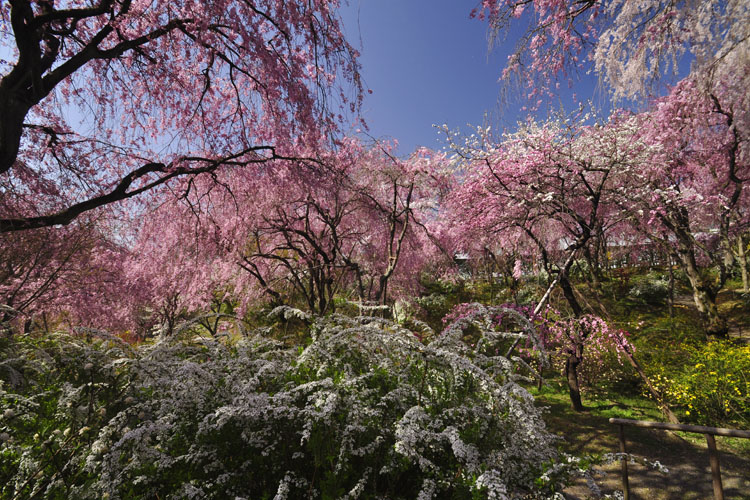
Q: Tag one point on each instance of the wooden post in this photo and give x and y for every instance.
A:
(713, 457)
(710, 432)
(623, 449)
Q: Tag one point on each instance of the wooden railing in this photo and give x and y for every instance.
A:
(710, 432)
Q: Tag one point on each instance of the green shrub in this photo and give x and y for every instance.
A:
(651, 288)
(56, 393)
(364, 411)
(712, 387)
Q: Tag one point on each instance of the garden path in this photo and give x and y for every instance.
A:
(689, 476)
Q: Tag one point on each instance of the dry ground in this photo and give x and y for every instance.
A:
(685, 455)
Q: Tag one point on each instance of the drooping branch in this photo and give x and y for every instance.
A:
(158, 75)
(122, 190)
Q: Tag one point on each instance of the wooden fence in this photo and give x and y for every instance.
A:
(710, 432)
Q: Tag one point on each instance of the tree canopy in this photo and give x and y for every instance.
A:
(104, 101)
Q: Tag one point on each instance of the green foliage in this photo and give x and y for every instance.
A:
(56, 392)
(712, 387)
(651, 288)
(438, 298)
(365, 410)
(610, 375)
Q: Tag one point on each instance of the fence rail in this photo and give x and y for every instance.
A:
(710, 432)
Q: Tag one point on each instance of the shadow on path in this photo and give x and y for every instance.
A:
(689, 476)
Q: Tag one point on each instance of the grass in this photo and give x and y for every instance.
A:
(594, 422)
(589, 433)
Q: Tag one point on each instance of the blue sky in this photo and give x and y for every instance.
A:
(428, 63)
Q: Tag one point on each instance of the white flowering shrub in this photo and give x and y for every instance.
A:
(56, 391)
(653, 288)
(365, 410)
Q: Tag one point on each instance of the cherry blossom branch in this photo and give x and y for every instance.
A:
(122, 190)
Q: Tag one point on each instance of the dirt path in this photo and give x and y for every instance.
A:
(689, 476)
(685, 455)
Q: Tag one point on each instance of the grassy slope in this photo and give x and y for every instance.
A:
(590, 433)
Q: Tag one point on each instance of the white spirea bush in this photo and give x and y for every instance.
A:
(365, 410)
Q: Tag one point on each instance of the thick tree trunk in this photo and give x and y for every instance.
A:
(382, 294)
(570, 297)
(714, 323)
(704, 295)
(14, 111)
(575, 358)
(742, 260)
(571, 373)
(705, 300)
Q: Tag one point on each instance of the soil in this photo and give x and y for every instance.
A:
(685, 455)
(686, 458)
(689, 476)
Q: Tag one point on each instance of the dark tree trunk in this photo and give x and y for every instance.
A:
(704, 292)
(11, 126)
(571, 373)
(574, 358)
(570, 297)
(704, 297)
(713, 323)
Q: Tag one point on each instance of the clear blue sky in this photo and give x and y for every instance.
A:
(428, 63)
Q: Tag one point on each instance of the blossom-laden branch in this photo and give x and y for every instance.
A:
(162, 89)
